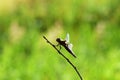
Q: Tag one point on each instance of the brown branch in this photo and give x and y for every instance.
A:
(64, 58)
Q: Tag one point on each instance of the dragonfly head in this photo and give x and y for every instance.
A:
(58, 39)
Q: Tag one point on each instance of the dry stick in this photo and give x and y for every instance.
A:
(64, 57)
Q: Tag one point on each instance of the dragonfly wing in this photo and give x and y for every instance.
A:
(70, 46)
(67, 38)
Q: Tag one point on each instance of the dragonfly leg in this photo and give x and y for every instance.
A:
(60, 48)
(57, 44)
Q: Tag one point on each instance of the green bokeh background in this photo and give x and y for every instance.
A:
(94, 28)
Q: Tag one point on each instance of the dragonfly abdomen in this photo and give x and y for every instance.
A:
(69, 51)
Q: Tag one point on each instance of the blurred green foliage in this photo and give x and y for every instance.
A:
(94, 30)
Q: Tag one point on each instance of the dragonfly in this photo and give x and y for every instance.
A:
(66, 44)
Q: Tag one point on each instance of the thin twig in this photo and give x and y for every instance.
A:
(64, 58)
